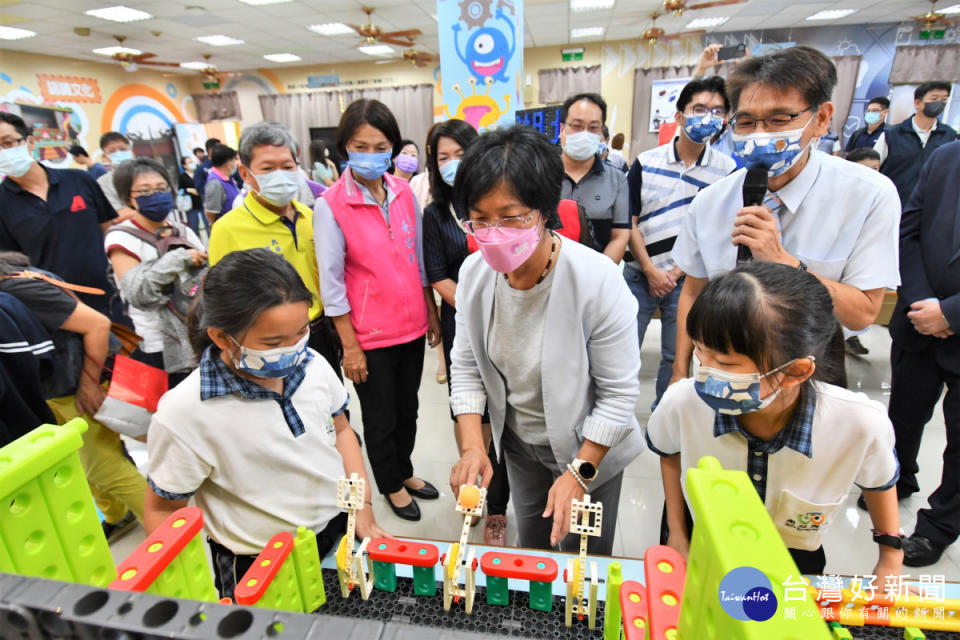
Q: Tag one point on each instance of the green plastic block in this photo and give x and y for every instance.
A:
(733, 529)
(306, 560)
(611, 606)
(425, 581)
(284, 590)
(49, 527)
(497, 591)
(912, 633)
(385, 576)
(188, 576)
(541, 595)
(841, 633)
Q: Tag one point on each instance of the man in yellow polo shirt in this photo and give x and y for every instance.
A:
(270, 217)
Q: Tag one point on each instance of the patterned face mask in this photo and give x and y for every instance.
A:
(734, 393)
(775, 151)
(271, 363)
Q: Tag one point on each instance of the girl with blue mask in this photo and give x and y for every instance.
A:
(257, 434)
(757, 403)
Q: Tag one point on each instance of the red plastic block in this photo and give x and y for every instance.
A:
(415, 554)
(521, 567)
(665, 571)
(633, 608)
(264, 569)
(155, 554)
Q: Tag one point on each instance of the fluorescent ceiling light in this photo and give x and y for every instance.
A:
(951, 9)
(199, 66)
(376, 50)
(12, 33)
(119, 14)
(260, 2)
(112, 51)
(590, 5)
(586, 32)
(218, 40)
(282, 57)
(831, 14)
(331, 29)
(705, 23)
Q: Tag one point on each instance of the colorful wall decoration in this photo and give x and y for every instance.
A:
(481, 60)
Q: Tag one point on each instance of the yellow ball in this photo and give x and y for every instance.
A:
(469, 496)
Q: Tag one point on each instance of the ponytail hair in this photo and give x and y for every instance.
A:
(238, 289)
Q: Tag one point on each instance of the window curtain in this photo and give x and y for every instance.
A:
(556, 85)
(916, 64)
(217, 106)
(411, 105)
(848, 68)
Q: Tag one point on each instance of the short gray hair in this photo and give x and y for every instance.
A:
(266, 132)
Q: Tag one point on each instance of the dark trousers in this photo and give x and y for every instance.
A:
(389, 403)
(917, 380)
(229, 568)
(325, 340)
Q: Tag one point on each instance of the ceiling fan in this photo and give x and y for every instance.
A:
(413, 56)
(373, 34)
(130, 61)
(932, 19)
(655, 33)
(677, 7)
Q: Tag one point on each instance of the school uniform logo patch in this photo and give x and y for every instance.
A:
(78, 204)
(810, 521)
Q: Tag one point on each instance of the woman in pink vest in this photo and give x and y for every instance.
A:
(372, 280)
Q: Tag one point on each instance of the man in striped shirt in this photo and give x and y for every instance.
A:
(662, 182)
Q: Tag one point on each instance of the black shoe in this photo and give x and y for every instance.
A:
(113, 531)
(921, 552)
(855, 347)
(409, 512)
(426, 492)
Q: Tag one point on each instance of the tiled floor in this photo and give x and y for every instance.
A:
(849, 547)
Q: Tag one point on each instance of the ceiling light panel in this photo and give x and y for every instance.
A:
(951, 9)
(331, 29)
(590, 5)
(586, 32)
(257, 3)
(12, 33)
(112, 51)
(832, 14)
(119, 14)
(706, 23)
(219, 40)
(376, 50)
(199, 66)
(282, 57)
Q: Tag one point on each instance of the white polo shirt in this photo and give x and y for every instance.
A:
(252, 476)
(840, 218)
(848, 437)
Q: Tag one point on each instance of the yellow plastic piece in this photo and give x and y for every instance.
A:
(452, 558)
(342, 554)
(48, 525)
(733, 529)
(577, 571)
(469, 496)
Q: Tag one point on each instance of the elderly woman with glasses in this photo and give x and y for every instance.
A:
(546, 339)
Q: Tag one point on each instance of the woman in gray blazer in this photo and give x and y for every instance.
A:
(546, 338)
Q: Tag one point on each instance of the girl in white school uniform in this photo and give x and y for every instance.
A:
(756, 404)
(257, 434)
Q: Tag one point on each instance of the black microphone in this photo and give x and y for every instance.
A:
(754, 191)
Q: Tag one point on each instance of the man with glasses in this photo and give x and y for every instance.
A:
(601, 190)
(905, 147)
(837, 219)
(54, 216)
(662, 183)
(875, 115)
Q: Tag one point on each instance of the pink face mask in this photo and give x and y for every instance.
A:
(506, 249)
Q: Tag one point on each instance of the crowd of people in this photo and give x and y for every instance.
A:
(266, 284)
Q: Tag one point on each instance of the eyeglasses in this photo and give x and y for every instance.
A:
(577, 127)
(513, 222)
(142, 193)
(775, 122)
(10, 144)
(719, 112)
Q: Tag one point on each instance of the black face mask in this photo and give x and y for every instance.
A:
(933, 109)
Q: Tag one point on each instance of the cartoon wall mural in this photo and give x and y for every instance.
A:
(481, 60)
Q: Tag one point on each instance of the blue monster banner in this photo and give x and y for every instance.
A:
(481, 60)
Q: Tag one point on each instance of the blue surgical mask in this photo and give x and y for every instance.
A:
(582, 145)
(775, 151)
(871, 117)
(156, 206)
(734, 393)
(701, 128)
(369, 166)
(449, 171)
(121, 156)
(271, 363)
(278, 187)
(15, 161)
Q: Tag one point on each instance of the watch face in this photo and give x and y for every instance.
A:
(587, 470)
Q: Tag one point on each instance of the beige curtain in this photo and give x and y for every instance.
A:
(848, 68)
(916, 64)
(411, 105)
(217, 106)
(556, 85)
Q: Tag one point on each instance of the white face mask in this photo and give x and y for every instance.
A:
(581, 145)
(15, 161)
(278, 187)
